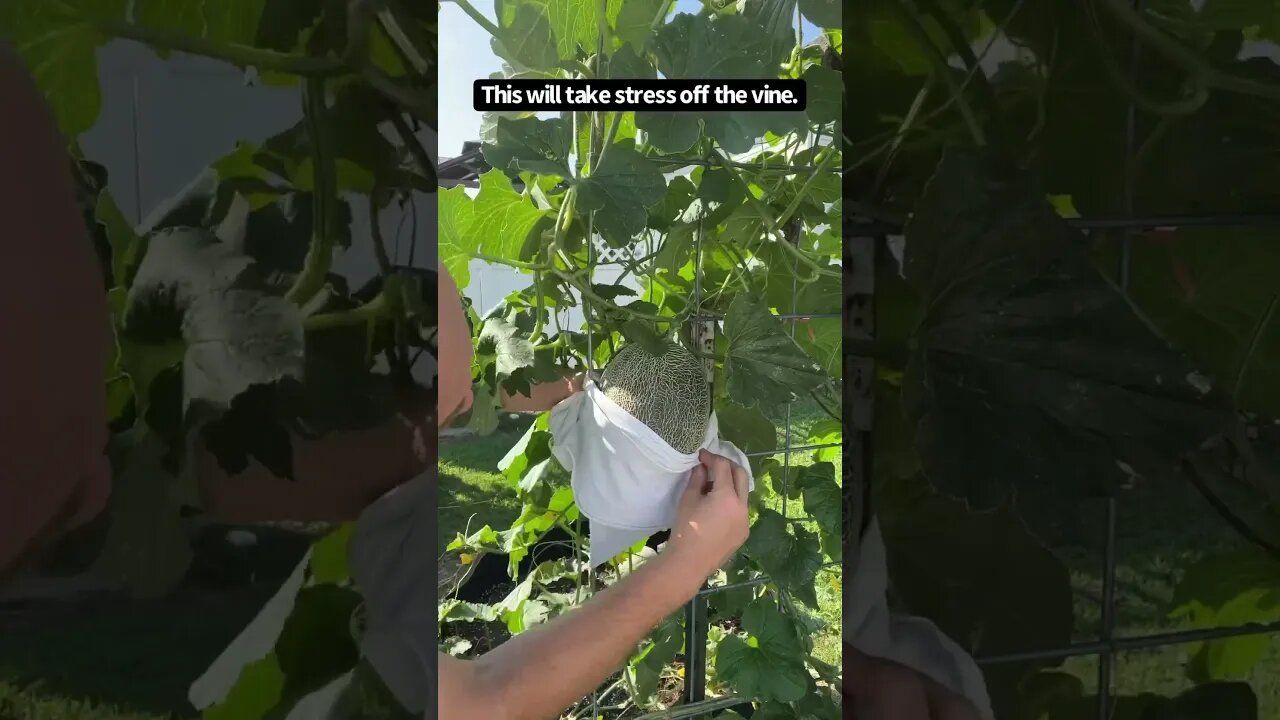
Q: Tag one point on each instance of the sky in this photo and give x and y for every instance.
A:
(465, 56)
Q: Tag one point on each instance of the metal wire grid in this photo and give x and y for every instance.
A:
(465, 170)
(1108, 644)
(696, 627)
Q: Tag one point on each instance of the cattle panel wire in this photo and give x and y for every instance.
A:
(862, 235)
(702, 326)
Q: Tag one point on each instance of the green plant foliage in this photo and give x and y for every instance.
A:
(699, 232)
(1018, 368)
(1229, 589)
(231, 332)
(1023, 341)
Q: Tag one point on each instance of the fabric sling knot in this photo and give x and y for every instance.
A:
(626, 479)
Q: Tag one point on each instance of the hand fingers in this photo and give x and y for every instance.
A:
(741, 482)
(719, 467)
(697, 484)
(726, 473)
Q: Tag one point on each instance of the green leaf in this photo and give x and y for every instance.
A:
(61, 53)
(1212, 293)
(634, 22)
(234, 22)
(501, 218)
(236, 340)
(822, 496)
(501, 338)
(456, 243)
(764, 367)
(791, 556)
(1030, 368)
(700, 47)
(771, 667)
(643, 333)
(825, 88)
(533, 144)
(199, 295)
(1229, 589)
(350, 126)
(315, 645)
(329, 556)
(645, 668)
(1237, 14)
(746, 427)
(669, 132)
(126, 247)
(823, 340)
(526, 38)
(574, 24)
(823, 13)
(620, 191)
(778, 20)
(628, 63)
(255, 693)
(667, 213)
(728, 47)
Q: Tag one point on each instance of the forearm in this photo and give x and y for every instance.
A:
(583, 647)
(541, 397)
(335, 477)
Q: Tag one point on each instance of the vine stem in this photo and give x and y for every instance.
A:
(679, 161)
(828, 155)
(911, 18)
(410, 140)
(480, 19)
(768, 219)
(379, 243)
(315, 267)
(235, 54)
(375, 309)
(589, 294)
(1178, 54)
(495, 260)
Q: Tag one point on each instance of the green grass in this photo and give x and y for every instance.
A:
(117, 659)
(472, 493)
(32, 703)
(1161, 531)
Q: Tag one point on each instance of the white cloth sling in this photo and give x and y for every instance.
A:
(626, 479)
(909, 641)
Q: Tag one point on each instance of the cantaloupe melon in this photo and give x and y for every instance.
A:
(666, 392)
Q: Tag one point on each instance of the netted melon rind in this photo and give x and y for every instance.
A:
(667, 392)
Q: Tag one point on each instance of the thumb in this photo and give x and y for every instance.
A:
(693, 491)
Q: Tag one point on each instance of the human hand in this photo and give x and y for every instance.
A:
(543, 396)
(884, 690)
(711, 520)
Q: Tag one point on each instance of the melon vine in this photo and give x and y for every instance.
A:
(733, 216)
(728, 227)
(1027, 371)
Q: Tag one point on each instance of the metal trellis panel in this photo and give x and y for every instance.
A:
(1108, 645)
